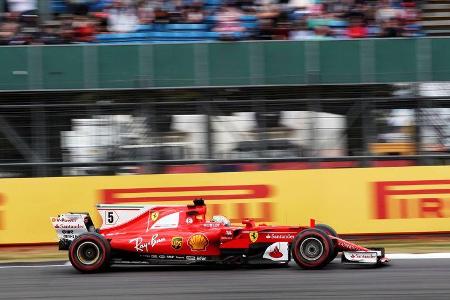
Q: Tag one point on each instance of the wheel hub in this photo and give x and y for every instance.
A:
(88, 253)
(311, 249)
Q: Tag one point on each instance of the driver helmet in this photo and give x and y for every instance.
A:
(221, 219)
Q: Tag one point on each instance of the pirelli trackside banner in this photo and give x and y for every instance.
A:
(372, 200)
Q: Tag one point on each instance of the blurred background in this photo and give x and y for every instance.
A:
(143, 88)
(338, 110)
(122, 87)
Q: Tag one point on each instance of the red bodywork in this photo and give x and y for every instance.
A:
(190, 234)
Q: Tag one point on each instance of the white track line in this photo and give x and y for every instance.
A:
(418, 256)
(33, 266)
(393, 256)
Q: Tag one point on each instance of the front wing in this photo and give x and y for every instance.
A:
(355, 254)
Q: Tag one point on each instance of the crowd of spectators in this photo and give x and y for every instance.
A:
(81, 21)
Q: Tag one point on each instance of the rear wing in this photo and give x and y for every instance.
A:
(69, 226)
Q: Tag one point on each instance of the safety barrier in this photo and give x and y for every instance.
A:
(354, 201)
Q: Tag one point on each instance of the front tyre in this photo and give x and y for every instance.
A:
(312, 249)
(327, 229)
(90, 253)
(330, 231)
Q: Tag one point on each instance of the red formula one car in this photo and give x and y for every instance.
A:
(153, 234)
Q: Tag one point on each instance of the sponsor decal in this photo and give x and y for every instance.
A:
(359, 255)
(277, 252)
(253, 235)
(412, 199)
(155, 240)
(177, 242)
(348, 246)
(65, 220)
(198, 242)
(189, 220)
(139, 246)
(212, 225)
(154, 216)
(227, 235)
(69, 226)
(69, 236)
(280, 236)
(197, 258)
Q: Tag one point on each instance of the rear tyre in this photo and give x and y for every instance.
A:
(330, 231)
(312, 249)
(90, 253)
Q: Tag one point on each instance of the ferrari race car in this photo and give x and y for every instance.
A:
(154, 234)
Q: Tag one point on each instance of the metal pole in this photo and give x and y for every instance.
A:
(261, 130)
(314, 109)
(209, 134)
(418, 132)
(39, 140)
(147, 114)
(17, 141)
(367, 130)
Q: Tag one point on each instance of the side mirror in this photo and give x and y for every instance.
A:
(248, 223)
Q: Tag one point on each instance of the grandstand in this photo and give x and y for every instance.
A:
(123, 21)
(436, 18)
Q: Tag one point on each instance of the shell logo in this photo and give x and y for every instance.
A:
(198, 242)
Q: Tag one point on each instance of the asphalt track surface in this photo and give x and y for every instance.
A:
(403, 279)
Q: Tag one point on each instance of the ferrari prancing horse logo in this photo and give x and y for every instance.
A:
(253, 236)
(154, 216)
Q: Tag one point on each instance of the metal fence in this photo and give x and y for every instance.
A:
(213, 132)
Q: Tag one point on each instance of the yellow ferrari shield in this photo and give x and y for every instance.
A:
(253, 236)
(154, 216)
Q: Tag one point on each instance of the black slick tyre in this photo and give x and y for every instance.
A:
(330, 231)
(90, 253)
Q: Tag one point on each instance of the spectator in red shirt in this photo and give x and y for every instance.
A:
(83, 29)
(357, 29)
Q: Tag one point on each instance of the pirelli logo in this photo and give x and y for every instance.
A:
(235, 201)
(412, 199)
(186, 193)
